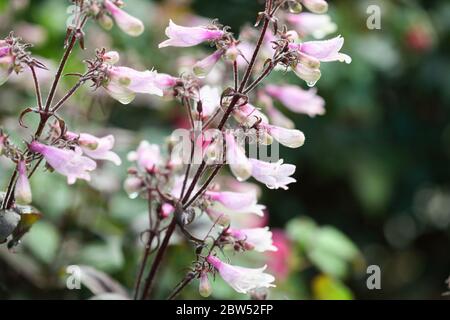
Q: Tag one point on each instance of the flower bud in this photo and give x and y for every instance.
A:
(105, 22)
(23, 190)
(203, 67)
(316, 6)
(133, 186)
(294, 6)
(205, 288)
(129, 24)
(111, 57)
(166, 210)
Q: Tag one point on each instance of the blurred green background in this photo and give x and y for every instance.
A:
(373, 178)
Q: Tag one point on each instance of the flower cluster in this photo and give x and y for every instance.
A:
(226, 118)
(71, 154)
(229, 118)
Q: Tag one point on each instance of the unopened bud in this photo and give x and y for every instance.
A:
(205, 288)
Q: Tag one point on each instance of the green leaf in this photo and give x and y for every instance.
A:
(43, 241)
(327, 288)
(107, 256)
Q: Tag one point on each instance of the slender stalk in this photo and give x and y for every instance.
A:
(147, 246)
(69, 94)
(262, 35)
(37, 87)
(62, 65)
(158, 259)
(255, 83)
(7, 200)
(179, 287)
(204, 187)
(235, 75)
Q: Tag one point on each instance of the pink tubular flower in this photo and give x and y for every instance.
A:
(6, 61)
(259, 239)
(237, 160)
(233, 200)
(180, 36)
(203, 67)
(273, 175)
(291, 138)
(23, 190)
(129, 24)
(325, 51)
(298, 100)
(317, 25)
(70, 163)
(96, 148)
(316, 6)
(147, 156)
(204, 288)
(242, 279)
(123, 83)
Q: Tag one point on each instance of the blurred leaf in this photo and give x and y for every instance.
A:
(327, 288)
(104, 256)
(9, 220)
(43, 242)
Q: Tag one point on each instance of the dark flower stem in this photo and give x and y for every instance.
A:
(36, 86)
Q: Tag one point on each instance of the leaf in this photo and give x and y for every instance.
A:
(101, 284)
(43, 242)
(104, 256)
(9, 220)
(28, 217)
(327, 288)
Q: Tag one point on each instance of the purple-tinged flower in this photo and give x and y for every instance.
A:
(325, 50)
(317, 25)
(129, 24)
(70, 163)
(237, 160)
(233, 200)
(180, 36)
(258, 239)
(204, 288)
(242, 279)
(298, 100)
(6, 61)
(203, 67)
(291, 138)
(316, 6)
(123, 83)
(147, 156)
(166, 210)
(23, 194)
(96, 148)
(273, 175)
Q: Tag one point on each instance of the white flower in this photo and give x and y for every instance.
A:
(242, 279)
(273, 175)
(259, 239)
